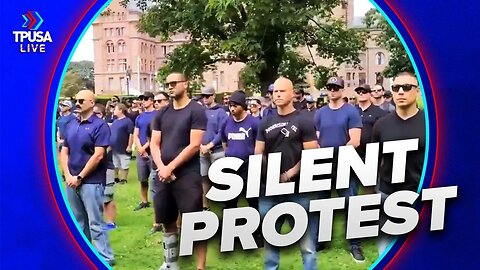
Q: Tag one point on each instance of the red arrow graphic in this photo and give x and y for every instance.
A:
(33, 21)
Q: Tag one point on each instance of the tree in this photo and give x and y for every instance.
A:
(84, 69)
(72, 83)
(263, 34)
(388, 39)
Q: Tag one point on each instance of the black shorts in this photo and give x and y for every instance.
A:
(183, 195)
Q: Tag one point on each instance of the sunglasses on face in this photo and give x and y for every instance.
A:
(173, 84)
(206, 96)
(333, 88)
(352, 98)
(145, 98)
(361, 91)
(160, 100)
(80, 101)
(405, 87)
(377, 90)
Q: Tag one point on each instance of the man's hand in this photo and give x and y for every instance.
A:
(129, 149)
(204, 149)
(142, 151)
(72, 181)
(165, 174)
(284, 178)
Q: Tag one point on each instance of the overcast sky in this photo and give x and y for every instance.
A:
(84, 50)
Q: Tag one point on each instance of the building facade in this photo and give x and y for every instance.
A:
(126, 61)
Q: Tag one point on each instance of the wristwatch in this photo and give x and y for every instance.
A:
(79, 178)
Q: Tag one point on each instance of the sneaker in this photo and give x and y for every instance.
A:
(110, 226)
(155, 229)
(141, 206)
(122, 181)
(117, 180)
(357, 254)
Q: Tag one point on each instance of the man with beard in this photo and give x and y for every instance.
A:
(176, 138)
(86, 140)
(378, 99)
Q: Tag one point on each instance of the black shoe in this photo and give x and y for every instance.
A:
(141, 206)
(117, 180)
(357, 254)
(320, 246)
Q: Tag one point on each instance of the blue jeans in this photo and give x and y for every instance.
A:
(352, 190)
(307, 242)
(86, 203)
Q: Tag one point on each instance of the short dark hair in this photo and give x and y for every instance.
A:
(406, 73)
(101, 107)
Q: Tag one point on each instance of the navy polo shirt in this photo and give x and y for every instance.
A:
(142, 123)
(81, 138)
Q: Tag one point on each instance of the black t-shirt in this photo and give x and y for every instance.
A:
(133, 115)
(300, 105)
(391, 128)
(286, 134)
(369, 118)
(175, 126)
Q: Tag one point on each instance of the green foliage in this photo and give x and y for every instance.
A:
(388, 39)
(263, 34)
(84, 69)
(72, 83)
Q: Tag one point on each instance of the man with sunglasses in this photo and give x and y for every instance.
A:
(369, 114)
(338, 123)
(378, 99)
(289, 132)
(177, 132)
(407, 122)
(211, 147)
(161, 100)
(271, 108)
(84, 166)
(140, 137)
(66, 116)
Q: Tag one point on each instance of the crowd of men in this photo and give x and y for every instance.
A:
(175, 139)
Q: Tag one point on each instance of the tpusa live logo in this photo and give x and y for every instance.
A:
(32, 40)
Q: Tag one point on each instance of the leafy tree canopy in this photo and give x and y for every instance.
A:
(263, 34)
(388, 39)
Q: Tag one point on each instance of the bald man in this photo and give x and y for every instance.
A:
(289, 131)
(86, 140)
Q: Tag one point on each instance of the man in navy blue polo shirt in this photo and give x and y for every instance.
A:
(339, 123)
(121, 142)
(86, 140)
(140, 137)
(211, 147)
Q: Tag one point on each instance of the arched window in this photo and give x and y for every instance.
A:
(110, 47)
(380, 59)
(122, 47)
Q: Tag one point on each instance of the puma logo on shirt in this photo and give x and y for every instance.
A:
(239, 136)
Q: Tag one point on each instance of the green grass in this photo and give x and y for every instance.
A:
(135, 249)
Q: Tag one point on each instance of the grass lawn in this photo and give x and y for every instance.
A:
(135, 249)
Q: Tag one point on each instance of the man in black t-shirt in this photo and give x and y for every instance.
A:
(177, 132)
(289, 131)
(407, 122)
(370, 114)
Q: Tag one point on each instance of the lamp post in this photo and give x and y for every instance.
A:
(129, 76)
